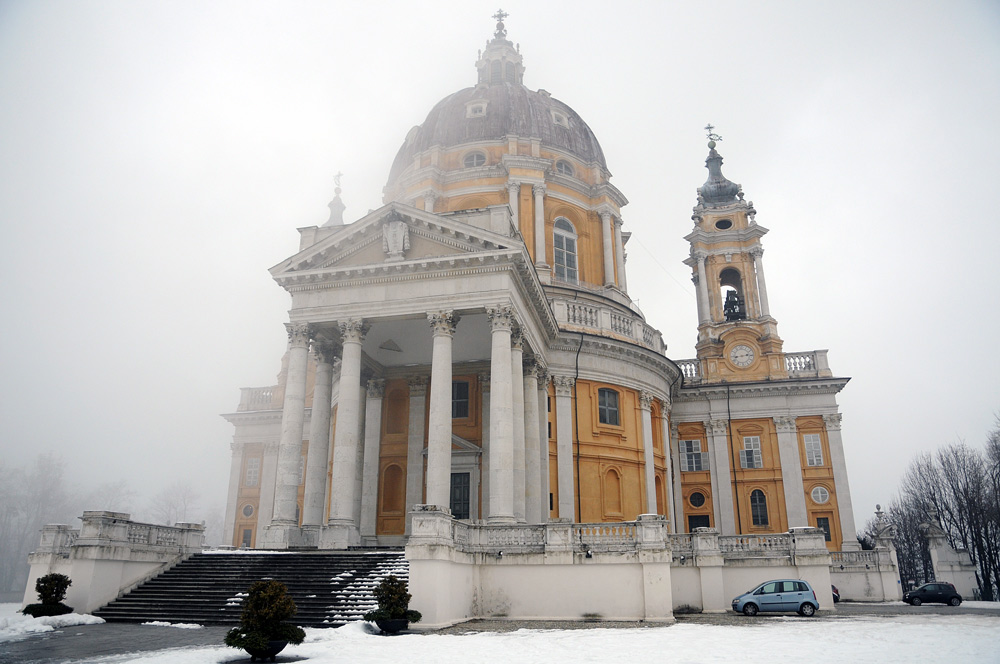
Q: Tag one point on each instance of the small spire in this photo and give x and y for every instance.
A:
(717, 190)
(336, 206)
(501, 61)
(501, 32)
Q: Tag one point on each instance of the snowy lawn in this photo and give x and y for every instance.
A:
(14, 625)
(928, 638)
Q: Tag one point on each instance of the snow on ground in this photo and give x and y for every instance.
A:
(881, 640)
(160, 623)
(14, 625)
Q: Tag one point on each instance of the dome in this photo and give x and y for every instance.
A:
(510, 109)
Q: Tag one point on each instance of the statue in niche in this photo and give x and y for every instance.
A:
(395, 239)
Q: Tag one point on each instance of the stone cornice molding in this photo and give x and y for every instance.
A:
(443, 323)
(788, 386)
(253, 417)
(376, 388)
(619, 350)
(564, 385)
(833, 421)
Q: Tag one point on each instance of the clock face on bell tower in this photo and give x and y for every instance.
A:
(742, 355)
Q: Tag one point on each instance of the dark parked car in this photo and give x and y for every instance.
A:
(779, 595)
(938, 591)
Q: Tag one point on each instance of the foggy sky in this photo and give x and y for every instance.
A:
(157, 157)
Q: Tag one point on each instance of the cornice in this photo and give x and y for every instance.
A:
(253, 416)
(771, 387)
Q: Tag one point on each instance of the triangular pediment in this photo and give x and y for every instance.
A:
(394, 235)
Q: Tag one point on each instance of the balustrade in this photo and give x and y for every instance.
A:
(608, 321)
(800, 363)
(256, 398)
(690, 369)
(755, 544)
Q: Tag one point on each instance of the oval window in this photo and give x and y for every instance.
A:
(474, 159)
(820, 495)
(724, 224)
(248, 511)
(564, 167)
(697, 499)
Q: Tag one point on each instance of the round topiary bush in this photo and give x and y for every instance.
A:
(51, 590)
(393, 602)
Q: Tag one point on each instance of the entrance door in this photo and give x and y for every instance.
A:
(460, 495)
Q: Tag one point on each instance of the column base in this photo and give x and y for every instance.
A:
(281, 536)
(339, 535)
(501, 520)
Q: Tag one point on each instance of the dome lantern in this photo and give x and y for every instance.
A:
(501, 61)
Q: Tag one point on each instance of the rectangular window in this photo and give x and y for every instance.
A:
(302, 470)
(247, 538)
(565, 258)
(697, 521)
(550, 428)
(823, 523)
(459, 399)
(692, 458)
(814, 449)
(548, 404)
(460, 495)
(750, 456)
(253, 472)
(607, 406)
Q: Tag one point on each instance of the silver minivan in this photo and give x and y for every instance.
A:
(778, 595)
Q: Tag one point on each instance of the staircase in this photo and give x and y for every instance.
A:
(329, 588)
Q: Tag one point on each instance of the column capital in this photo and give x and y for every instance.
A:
(271, 447)
(784, 424)
(700, 256)
(538, 189)
(757, 252)
(298, 334)
(514, 187)
(501, 317)
(325, 352)
(645, 400)
(606, 216)
(353, 330)
(236, 448)
(564, 385)
(529, 366)
(665, 402)
(832, 421)
(376, 388)
(516, 337)
(484, 381)
(619, 222)
(443, 322)
(718, 427)
(417, 385)
(674, 430)
(543, 376)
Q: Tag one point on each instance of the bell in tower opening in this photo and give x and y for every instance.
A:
(735, 307)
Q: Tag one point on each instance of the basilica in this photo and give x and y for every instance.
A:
(471, 348)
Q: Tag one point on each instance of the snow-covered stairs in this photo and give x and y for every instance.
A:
(330, 588)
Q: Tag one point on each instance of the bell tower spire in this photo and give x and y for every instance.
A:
(501, 61)
(737, 337)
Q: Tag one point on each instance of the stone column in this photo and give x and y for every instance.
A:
(514, 201)
(415, 446)
(668, 488)
(791, 472)
(532, 479)
(232, 495)
(539, 191)
(342, 530)
(722, 481)
(369, 472)
(318, 459)
(620, 255)
(706, 305)
(484, 458)
(564, 445)
(292, 423)
(757, 254)
(429, 198)
(517, 389)
(700, 305)
(609, 250)
(646, 412)
(439, 423)
(542, 378)
(674, 452)
(844, 505)
(268, 477)
(501, 417)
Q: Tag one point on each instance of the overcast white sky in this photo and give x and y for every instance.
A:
(157, 157)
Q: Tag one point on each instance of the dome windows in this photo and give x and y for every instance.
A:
(564, 250)
(724, 224)
(563, 167)
(560, 119)
(476, 108)
(474, 160)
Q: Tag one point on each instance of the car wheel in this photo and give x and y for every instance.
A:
(915, 601)
(955, 601)
(749, 609)
(807, 610)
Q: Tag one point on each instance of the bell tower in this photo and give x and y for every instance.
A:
(737, 337)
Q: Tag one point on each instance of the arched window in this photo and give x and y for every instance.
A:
(564, 242)
(496, 74)
(510, 72)
(758, 508)
(734, 305)
(474, 159)
(564, 167)
(607, 406)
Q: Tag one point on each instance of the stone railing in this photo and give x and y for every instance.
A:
(690, 369)
(57, 539)
(608, 322)
(809, 364)
(606, 536)
(116, 529)
(256, 398)
(680, 543)
(755, 544)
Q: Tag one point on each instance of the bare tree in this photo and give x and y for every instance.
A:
(175, 503)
